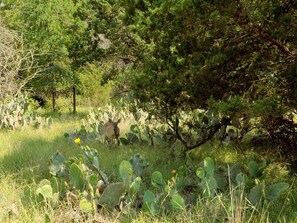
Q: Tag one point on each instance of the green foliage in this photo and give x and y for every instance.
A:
(112, 194)
(157, 179)
(139, 165)
(142, 129)
(149, 204)
(178, 202)
(275, 190)
(46, 193)
(209, 166)
(91, 78)
(252, 178)
(255, 194)
(253, 168)
(45, 189)
(125, 170)
(77, 178)
(165, 198)
(57, 167)
(134, 188)
(208, 183)
(269, 193)
(234, 59)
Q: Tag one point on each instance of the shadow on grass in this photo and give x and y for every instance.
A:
(65, 115)
(35, 154)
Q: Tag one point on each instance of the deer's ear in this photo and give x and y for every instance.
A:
(119, 120)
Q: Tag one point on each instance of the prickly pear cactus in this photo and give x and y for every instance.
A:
(273, 191)
(112, 194)
(16, 114)
(139, 165)
(208, 181)
(77, 177)
(150, 205)
(57, 167)
(126, 171)
(157, 180)
(178, 202)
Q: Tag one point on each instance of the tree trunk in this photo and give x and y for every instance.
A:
(54, 100)
(74, 99)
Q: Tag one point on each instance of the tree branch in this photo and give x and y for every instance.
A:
(268, 38)
(174, 125)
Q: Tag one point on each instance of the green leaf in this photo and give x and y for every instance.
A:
(134, 187)
(221, 180)
(149, 196)
(104, 177)
(234, 171)
(242, 178)
(151, 208)
(178, 202)
(132, 138)
(47, 218)
(135, 129)
(212, 186)
(112, 194)
(182, 171)
(95, 162)
(200, 172)
(253, 169)
(274, 191)
(46, 191)
(57, 164)
(255, 194)
(126, 170)
(93, 179)
(139, 165)
(157, 179)
(149, 204)
(77, 177)
(54, 184)
(209, 166)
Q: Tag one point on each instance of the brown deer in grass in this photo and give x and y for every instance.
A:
(111, 132)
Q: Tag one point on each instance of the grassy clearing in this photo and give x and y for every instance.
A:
(24, 161)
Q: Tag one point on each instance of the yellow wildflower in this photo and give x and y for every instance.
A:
(173, 171)
(77, 141)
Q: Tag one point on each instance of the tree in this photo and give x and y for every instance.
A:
(16, 68)
(234, 58)
(46, 27)
(67, 35)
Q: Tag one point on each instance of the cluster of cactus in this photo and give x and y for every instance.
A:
(163, 197)
(16, 114)
(142, 130)
(82, 183)
(250, 176)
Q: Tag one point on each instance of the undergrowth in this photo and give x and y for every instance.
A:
(24, 161)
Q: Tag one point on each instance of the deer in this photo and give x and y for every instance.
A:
(111, 132)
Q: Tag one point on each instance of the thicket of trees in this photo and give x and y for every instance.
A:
(236, 59)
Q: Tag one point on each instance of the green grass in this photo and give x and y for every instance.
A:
(24, 157)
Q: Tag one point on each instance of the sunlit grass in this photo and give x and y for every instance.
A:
(33, 147)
